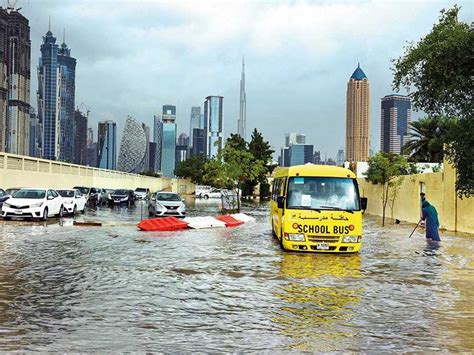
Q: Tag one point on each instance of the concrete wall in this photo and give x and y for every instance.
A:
(454, 214)
(22, 171)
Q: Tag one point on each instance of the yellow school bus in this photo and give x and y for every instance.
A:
(317, 208)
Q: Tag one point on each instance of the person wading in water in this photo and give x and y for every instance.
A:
(430, 216)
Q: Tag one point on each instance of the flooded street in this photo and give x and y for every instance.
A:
(114, 288)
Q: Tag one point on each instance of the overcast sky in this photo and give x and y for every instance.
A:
(135, 56)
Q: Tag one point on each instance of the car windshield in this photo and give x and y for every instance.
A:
(11, 191)
(33, 194)
(2, 193)
(322, 193)
(109, 191)
(121, 192)
(66, 193)
(167, 197)
(139, 189)
(84, 190)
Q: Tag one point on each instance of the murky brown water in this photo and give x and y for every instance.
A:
(114, 288)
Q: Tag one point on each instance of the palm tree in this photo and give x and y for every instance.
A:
(427, 137)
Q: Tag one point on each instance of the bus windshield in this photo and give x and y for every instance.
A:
(322, 193)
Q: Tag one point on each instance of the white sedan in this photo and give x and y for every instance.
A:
(74, 200)
(33, 203)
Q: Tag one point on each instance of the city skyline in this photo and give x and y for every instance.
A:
(280, 84)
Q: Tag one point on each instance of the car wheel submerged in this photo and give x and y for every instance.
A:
(45, 214)
(206, 197)
(74, 210)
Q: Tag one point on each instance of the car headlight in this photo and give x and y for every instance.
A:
(350, 239)
(109, 197)
(296, 237)
(160, 207)
(124, 199)
(182, 207)
(36, 205)
(6, 204)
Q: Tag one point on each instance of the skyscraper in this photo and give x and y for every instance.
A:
(34, 127)
(199, 142)
(213, 124)
(182, 148)
(194, 122)
(91, 150)
(357, 117)
(15, 62)
(48, 113)
(67, 89)
(80, 138)
(168, 143)
(396, 116)
(340, 157)
(158, 138)
(147, 154)
(132, 147)
(301, 154)
(242, 122)
(107, 145)
(294, 138)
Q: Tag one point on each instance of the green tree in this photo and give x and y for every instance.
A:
(261, 152)
(384, 168)
(192, 168)
(427, 138)
(437, 72)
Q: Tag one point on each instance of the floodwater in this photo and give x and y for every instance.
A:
(114, 288)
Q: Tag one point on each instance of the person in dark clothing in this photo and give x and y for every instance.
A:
(430, 215)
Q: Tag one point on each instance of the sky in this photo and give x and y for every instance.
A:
(135, 56)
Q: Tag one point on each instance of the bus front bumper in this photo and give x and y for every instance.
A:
(321, 247)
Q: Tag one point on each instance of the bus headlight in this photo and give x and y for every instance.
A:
(295, 237)
(350, 239)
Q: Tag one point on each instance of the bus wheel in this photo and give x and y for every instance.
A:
(273, 230)
(281, 240)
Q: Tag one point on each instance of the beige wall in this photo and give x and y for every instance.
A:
(454, 214)
(21, 171)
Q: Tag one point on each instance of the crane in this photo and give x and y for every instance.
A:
(88, 109)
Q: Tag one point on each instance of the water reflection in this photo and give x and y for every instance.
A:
(316, 305)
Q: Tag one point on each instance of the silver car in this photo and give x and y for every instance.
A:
(166, 204)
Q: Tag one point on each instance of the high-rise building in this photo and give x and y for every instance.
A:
(15, 73)
(152, 156)
(340, 157)
(194, 122)
(213, 124)
(317, 157)
(242, 122)
(34, 128)
(67, 89)
(285, 156)
(157, 138)
(301, 154)
(168, 143)
(294, 138)
(107, 145)
(91, 150)
(357, 117)
(132, 147)
(48, 110)
(396, 117)
(147, 154)
(199, 142)
(80, 138)
(182, 148)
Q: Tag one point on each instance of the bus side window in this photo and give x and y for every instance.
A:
(283, 187)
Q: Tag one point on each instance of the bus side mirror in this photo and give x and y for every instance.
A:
(363, 203)
(280, 201)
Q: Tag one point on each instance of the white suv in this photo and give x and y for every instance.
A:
(33, 203)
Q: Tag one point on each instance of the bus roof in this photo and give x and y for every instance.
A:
(313, 170)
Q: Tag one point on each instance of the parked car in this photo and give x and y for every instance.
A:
(142, 193)
(74, 200)
(102, 196)
(212, 193)
(11, 191)
(166, 204)
(90, 193)
(33, 203)
(3, 196)
(122, 196)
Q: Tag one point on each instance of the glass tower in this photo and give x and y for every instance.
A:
(213, 124)
(396, 116)
(168, 143)
(106, 145)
